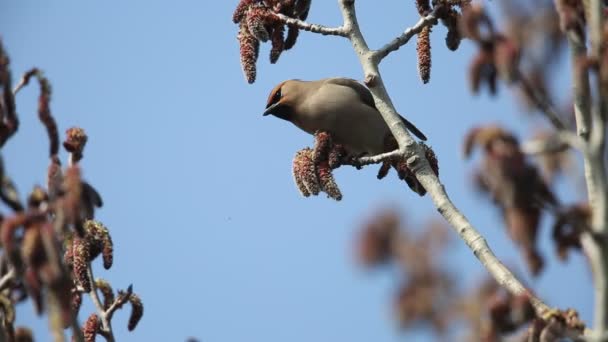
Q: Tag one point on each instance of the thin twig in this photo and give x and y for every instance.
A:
(379, 158)
(106, 324)
(580, 84)
(405, 37)
(541, 102)
(558, 142)
(7, 278)
(315, 28)
(25, 79)
(119, 301)
(597, 182)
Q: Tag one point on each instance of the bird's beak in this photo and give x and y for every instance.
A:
(270, 108)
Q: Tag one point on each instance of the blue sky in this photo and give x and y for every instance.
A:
(207, 223)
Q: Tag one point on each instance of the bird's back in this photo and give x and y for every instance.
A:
(341, 111)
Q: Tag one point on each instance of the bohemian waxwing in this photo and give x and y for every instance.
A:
(341, 107)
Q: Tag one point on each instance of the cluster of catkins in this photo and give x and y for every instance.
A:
(497, 315)
(520, 192)
(56, 221)
(498, 56)
(446, 12)
(429, 295)
(258, 22)
(425, 292)
(312, 167)
(515, 186)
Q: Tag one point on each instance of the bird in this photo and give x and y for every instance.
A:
(340, 106)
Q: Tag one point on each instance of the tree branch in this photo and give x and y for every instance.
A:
(379, 158)
(558, 142)
(541, 102)
(405, 37)
(414, 154)
(8, 278)
(106, 324)
(315, 28)
(595, 172)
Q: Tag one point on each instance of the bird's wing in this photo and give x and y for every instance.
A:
(368, 99)
(364, 93)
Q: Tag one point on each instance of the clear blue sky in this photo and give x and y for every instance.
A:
(197, 185)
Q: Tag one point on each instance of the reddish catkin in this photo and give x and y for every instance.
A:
(256, 22)
(476, 68)
(423, 50)
(23, 334)
(336, 156)
(100, 241)
(323, 144)
(423, 7)
(374, 246)
(384, 169)
(302, 8)
(75, 141)
(44, 114)
(90, 328)
(278, 44)
(292, 36)
(304, 173)
(137, 311)
(249, 50)
(32, 250)
(81, 252)
(76, 301)
(241, 10)
(328, 184)
(453, 37)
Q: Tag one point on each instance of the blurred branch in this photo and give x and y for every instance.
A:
(542, 102)
(7, 278)
(595, 170)
(558, 142)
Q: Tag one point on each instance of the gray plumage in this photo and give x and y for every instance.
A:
(342, 107)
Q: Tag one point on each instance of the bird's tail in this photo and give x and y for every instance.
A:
(410, 127)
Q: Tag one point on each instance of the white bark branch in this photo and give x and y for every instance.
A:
(379, 158)
(597, 182)
(415, 156)
(315, 28)
(405, 37)
(106, 323)
(560, 141)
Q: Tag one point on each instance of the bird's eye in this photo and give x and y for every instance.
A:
(277, 96)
